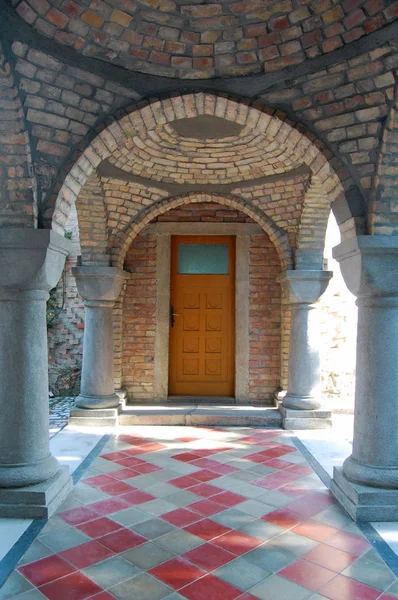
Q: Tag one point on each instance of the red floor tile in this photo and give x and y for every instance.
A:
(206, 507)
(98, 481)
(186, 456)
(137, 497)
(154, 447)
(301, 470)
(187, 439)
(135, 451)
(315, 530)
(353, 544)
(204, 475)
(177, 573)
(117, 488)
(181, 517)
(129, 461)
(310, 504)
(128, 439)
(124, 474)
(147, 468)
(283, 518)
(99, 527)
(113, 456)
(46, 569)
(206, 463)
(221, 469)
(207, 529)
(121, 540)
(331, 558)
(277, 463)
(307, 574)
(210, 588)
(257, 457)
(294, 490)
(109, 506)
(86, 554)
(209, 557)
(344, 588)
(78, 515)
(236, 542)
(275, 480)
(387, 597)
(205, 490)
(183, 482)
(229, 499)
(72, 587)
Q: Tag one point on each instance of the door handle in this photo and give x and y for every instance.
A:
(172, 315)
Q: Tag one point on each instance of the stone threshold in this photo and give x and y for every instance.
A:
(180, 414)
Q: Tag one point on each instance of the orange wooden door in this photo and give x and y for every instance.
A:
(202, 315)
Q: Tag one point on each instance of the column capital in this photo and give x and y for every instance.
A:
(304, 286)
(369, 265)
(32, 259)
(99, 284)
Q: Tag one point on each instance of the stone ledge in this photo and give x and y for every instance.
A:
(38, 501)
(319, 418)
(101, 417)
(362, 502)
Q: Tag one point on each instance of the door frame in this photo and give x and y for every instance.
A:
(163, 233)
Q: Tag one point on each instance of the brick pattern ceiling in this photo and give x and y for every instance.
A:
(204, 39)
(162, 154)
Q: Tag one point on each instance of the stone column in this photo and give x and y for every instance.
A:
(367, 485)
(32, 483)
(99, 287)
(302, 401)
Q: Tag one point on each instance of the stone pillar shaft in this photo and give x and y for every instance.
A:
(369, 266)
(24, 451)
(32, 262)
(376, 386)
(304, 288)
(97, 371)
(99, 287)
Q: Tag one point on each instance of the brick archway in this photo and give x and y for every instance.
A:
(123, 239)
(146, 117)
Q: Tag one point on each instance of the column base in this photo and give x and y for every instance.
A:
(97, 402)
(362, 502)
(301, 402)
(103, 417)
(305, 419)
(39, 501)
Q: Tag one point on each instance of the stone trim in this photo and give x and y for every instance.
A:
(161, 371)
(164, 231)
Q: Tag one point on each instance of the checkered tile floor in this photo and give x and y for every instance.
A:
(200, 514)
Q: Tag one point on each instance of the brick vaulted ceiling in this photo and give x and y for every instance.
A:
(201, 39)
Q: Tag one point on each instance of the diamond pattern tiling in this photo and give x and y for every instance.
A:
(200, 514)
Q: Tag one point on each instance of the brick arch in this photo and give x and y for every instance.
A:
(91, 216)
(146, 116)
(312, 228)
(123, 239)
(383, 210)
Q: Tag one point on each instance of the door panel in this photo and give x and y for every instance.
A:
(202, 347)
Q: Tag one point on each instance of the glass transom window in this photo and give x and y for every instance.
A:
(203, 259)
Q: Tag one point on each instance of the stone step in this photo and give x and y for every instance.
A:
(201, 414)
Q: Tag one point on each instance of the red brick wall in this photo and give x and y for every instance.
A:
(139, 318)
(265, 319)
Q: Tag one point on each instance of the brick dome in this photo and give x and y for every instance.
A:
(201, 40)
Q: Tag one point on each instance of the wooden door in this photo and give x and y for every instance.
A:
(202, 316)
